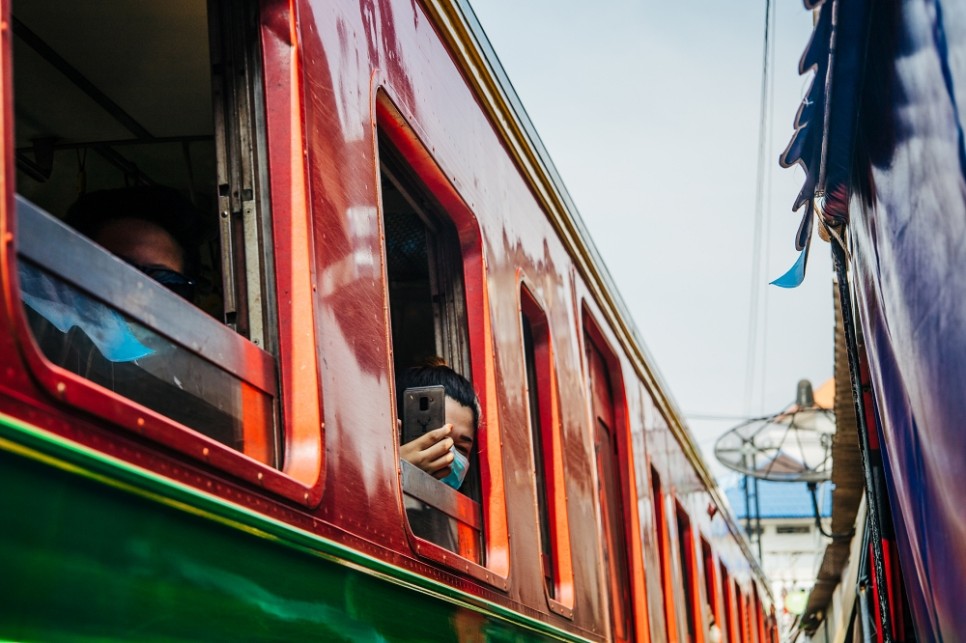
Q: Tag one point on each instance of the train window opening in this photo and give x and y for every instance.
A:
(759, 625)
(713, 609)
(688, 573)
(730, 626)
(424, 266)
(608, 454)
(141, 126)
(661, 527)
(427, 307)
(539, 454)
(744, 623)
(547, 453)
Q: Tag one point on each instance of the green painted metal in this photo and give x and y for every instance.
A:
(92, 548)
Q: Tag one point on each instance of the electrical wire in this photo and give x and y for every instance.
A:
(751, 359)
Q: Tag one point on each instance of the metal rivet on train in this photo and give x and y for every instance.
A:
(260, 476)
(140, 422)
(61, 388)
(204, 452)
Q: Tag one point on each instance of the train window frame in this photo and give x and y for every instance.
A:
(689, 570)
(427, 312)
(759, 616)
(740, 634)
(594, 338)
(728, 590)
(392, 128)
(265, 359)
(744, 620)
(711, 580)
(540, 379)
(663, 540)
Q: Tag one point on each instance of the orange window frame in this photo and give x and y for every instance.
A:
(663, 540)
(595, 339)
(711, 582)
(743, 618)
(689, 573)
(494, 567)
(759, 617)
(560, 597)
(728, 589)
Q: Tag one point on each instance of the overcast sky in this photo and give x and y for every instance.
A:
(650, 111)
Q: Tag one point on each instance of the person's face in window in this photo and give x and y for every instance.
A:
(463, 432)
(149, 248)
(141, 243)
(461, 417)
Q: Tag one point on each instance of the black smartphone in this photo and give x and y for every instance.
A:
(423, 410)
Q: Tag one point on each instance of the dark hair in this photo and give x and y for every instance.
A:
(157, 204)
(435, 372)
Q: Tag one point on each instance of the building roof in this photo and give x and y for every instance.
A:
(780, 499)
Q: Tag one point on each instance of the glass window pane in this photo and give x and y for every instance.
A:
(96, 341)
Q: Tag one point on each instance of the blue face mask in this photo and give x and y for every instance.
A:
(457, 469)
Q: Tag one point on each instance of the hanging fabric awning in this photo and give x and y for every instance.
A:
(825, 122)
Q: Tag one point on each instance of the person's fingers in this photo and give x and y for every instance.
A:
(428, 439)
(440, 467)
(430, 451)
(438, 450)
(410, 453)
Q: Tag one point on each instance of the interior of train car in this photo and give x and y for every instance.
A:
(181, 148)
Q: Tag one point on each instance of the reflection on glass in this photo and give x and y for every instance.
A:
(97, 342)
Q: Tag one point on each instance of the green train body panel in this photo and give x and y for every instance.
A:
(91, 549)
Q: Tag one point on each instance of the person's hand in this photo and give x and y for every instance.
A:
(430, 451)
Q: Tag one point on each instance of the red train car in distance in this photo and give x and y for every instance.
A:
(359, 187)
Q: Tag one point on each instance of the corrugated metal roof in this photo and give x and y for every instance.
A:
(781, 499)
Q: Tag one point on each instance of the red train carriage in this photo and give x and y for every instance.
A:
(364, 189)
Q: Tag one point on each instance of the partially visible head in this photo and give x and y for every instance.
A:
(141, 243)
(151, 227)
